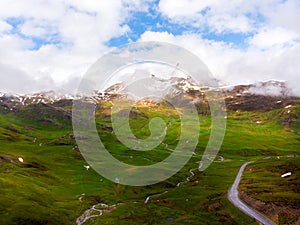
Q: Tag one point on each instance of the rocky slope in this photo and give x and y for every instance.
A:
(263, 96)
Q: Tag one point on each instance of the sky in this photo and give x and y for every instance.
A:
(48, 45)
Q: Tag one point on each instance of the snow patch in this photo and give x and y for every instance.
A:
(286, 174)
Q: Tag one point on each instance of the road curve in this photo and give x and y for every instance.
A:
(235, 200)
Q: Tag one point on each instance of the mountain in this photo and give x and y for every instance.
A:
(262, 96)
(52, 109)
(267, 88)
(9, 102)
(41, 109)
(45, 180)
(172, 87)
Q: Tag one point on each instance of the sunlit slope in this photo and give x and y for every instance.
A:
(52, 186)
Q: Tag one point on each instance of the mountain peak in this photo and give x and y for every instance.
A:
(273, 88)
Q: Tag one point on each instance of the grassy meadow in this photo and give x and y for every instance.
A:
(52, 186)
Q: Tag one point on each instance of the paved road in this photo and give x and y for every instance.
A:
(235, 200)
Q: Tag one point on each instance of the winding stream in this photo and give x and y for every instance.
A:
(97, 212)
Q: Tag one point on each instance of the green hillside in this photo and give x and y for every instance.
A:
(52, 186)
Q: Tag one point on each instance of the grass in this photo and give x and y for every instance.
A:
(53, 187)
(262, 181)
(271, 169)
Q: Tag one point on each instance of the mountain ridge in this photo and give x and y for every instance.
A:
(265, 95)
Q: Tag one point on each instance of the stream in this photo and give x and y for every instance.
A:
(97, 212)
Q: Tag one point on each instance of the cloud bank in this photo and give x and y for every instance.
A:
(50, 44)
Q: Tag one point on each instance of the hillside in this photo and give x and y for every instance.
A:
(52, 183)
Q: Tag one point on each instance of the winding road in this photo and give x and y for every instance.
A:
(235, 200)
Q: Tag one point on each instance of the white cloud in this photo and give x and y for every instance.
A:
(216, 55)
(232, 65)
(232, 16)
(286, 14)
(54, 41)
(38, 28)
(218, 15)
(221, 23)
(11, 46)
(269, 37)
(184, 8)
(43, 9)
(14, 80)
(272, 27)
(4, 26)
(60, 39)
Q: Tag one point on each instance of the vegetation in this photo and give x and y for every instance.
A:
(279, 195)
(52, 186)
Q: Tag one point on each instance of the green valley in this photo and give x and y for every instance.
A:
(52, 183)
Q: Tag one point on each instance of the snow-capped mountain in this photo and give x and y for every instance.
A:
(12, 101)
(172, 87)
(266, 88)
(262, 94)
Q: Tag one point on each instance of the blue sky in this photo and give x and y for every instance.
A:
(57, 41)
(154, 21)
(140, 22)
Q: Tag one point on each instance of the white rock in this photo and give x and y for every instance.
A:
(87, 167)
(20, 159)
(286, 174)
